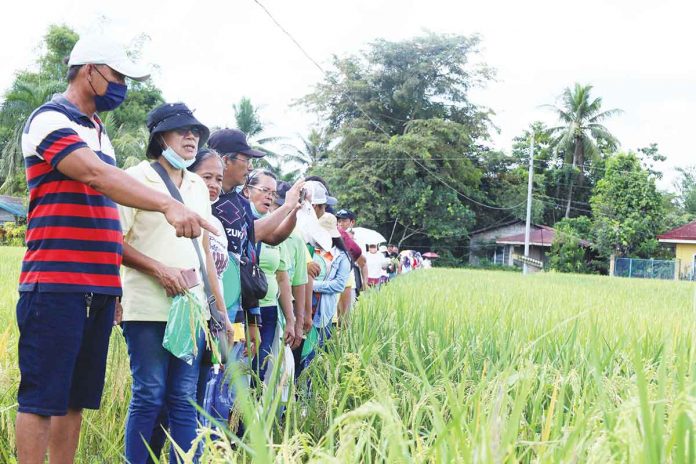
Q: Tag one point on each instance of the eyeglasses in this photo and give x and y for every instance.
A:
(248, 161)
(183, 131)
(271, 193)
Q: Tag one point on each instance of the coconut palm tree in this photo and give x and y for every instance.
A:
(246, 115)
(129, 142)
(581, 130)
(313, 150)
(248, 120)
(27, 93)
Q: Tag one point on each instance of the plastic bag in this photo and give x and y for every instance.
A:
(216, 402)
(283, 354)
(310, 342)
(185, 321)
(220, 391)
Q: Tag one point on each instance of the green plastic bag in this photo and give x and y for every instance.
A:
(185, 321)
(310, 342)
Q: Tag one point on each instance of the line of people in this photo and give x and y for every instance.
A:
(307, 265)
(266, 259)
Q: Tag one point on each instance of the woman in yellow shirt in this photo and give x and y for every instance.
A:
(156, 262)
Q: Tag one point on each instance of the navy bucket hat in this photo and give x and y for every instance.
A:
(168, 117)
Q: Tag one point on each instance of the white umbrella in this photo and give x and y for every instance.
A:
(363, 236)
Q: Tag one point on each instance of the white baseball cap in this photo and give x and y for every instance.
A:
(103, 50)
(318, 193)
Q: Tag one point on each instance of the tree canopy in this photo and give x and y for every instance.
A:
(628, 209)
(405, 131)
(400, 142)
(30, 89)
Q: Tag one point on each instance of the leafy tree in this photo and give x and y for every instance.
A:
(627, 208)
(59, 42)
(393, 83)
(675, 214)
(248, 120)
(685, 186)
(568, 252)
(405, 137)
(246, 115)
(581, 132)
(650, 156)
(387, 182)
(125, 125)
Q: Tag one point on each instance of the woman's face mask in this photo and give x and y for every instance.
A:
(185, 141)
(175, 160)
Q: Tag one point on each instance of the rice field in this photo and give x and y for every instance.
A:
(456, 366)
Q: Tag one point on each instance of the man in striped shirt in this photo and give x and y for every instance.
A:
(70, 273)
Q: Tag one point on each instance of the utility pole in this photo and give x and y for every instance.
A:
(528, 225)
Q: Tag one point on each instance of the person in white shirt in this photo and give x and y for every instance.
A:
(376, 263)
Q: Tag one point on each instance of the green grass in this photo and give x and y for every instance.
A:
(460, 366)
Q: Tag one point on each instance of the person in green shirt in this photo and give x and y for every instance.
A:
(277, 313)
(298, 259)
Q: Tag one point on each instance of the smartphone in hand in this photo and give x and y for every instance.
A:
(191, 277)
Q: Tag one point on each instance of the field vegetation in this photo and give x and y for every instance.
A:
(456, 366)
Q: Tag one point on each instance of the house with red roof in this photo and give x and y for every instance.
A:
(504, 245)
(683, 241)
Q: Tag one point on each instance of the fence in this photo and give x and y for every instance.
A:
(645, 268)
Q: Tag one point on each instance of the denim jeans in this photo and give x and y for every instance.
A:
(159, 379)
(158, 433)
(269, 318)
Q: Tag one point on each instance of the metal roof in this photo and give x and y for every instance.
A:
(543, 237)
(13, 205)
(682, 234)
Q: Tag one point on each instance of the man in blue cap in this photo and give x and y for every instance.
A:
(234, 212)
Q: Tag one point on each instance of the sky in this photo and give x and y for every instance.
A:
(637, 54)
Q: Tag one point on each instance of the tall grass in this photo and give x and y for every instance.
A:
(461, 366)
(102, 433)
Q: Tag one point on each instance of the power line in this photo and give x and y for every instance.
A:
(560, 206)
(565, 200)
(465, 157)
(371, 120)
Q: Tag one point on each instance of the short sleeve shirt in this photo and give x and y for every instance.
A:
(144, 298)
(375, 264)
(74, 240)
(272, 259)
(297, 258)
